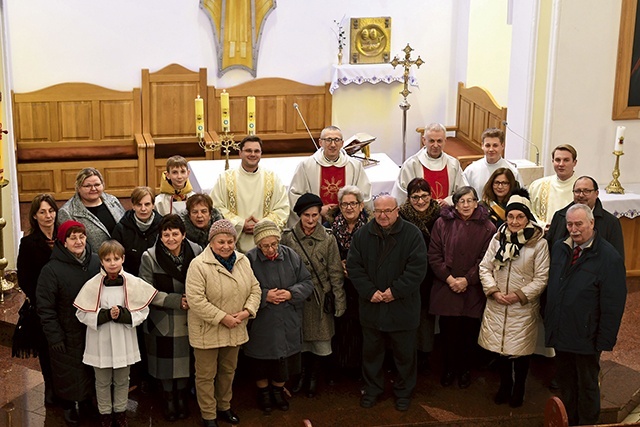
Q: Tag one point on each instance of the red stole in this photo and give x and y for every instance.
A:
(332, 179)
(439, 181)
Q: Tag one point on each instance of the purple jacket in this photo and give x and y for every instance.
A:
(457, 247)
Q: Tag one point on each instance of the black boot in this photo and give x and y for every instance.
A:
(506, 380)
(304, 374)
(279, 399)
(264, 400)
(169, 409)
(314, 367)
(182, 404)
(70, 412)
(521, 369)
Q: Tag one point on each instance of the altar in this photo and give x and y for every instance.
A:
(204, 173)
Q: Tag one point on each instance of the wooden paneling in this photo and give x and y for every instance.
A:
(631, 233)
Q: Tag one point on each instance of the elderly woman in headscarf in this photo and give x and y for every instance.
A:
(319, 252)
(514, 273)
(223, 293)
(275, 335)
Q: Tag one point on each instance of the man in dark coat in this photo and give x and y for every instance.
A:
(386, 263)
(585, 191)
(586, 298)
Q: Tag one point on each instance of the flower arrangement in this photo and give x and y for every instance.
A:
(340, 33)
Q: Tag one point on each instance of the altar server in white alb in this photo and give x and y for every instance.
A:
(440, 170)
(477, 173)
(325, 172)
(250, 193)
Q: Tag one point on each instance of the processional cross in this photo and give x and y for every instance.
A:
(407, 62)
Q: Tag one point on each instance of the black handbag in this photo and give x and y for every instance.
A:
(28, 333)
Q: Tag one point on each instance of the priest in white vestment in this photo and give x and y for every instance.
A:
(552, 193)
(442, 171)
(479, 172)
(325, 172)
(250, 193)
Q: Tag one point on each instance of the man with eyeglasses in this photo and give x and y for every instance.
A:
(585, 191)
(442, 171)
(248, 194)
(325, 172)
(479, 172)
(387, 261)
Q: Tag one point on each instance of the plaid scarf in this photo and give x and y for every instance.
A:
(511, 243)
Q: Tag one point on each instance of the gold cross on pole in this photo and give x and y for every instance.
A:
(407, 62)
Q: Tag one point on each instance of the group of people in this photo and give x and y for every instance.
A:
(181, 282)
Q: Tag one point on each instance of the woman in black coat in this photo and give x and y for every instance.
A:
(34, 253)
(72, 264)
(138, 229)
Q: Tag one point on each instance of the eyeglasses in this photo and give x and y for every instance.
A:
(274, 245)
(92, 186)
(424, 197)
(467, 201)
(583, 191)
(332, 140)
(385, 212)
(351, 205)
(501, 183)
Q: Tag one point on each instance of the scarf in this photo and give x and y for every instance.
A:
(340, 229)
(511, 243)
(178, 195)
(226, 263)
(423, 220)
(144, 226)
(174, 266)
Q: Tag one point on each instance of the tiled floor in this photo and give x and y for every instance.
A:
(21, 394)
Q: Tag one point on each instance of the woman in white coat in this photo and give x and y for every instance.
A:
(514, 273)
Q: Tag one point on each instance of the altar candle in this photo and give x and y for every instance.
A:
(200, 118)
(224, 109)
(251, 115)
(619, 139)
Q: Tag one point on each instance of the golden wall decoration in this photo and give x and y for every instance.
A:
(370, 40)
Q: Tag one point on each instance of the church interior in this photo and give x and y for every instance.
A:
(112, 85)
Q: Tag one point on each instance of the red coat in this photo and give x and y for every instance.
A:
(457, 247)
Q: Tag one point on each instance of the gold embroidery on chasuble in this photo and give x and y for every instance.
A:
(232, 191)
(332, 179)
(269, 185)
(237, 29)
(544, 199)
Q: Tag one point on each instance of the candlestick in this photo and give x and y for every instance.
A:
(199, 118)
(618, 145)
(614, 186)
(224, 110)
(1, 144)
(251, 115)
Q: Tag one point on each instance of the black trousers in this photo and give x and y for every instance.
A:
(460, 336)
(577, 376)
(403, 346)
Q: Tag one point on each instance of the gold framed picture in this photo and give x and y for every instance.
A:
(370, 40)
(626, 96)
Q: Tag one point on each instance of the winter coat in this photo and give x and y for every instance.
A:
(276, 332)
(33, 254)
(513, 329)
(212, 293)
(165, 330)
(58, 285)
(134, 240)
(199, 235)
(585, 300)
(397, 260)
(324, 258)
(457, 246)
(96, 231)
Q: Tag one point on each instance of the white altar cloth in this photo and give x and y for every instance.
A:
(368, 73)
(622, 205)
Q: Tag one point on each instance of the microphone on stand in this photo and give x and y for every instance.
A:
(295, 105)
(525, 140)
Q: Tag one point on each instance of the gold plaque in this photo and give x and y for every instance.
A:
(370, 40)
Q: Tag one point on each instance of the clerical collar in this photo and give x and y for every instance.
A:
(255, 171)
(329, 160)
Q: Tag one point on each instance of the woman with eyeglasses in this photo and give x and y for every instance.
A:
(514, 273)
(275, 335)
(98, 211)
(459, 240)
(496, 193)
(422, 210)
(319, 252)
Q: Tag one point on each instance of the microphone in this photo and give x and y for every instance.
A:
(295, 105)
(524, 139)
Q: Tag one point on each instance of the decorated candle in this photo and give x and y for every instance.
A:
(251, 115)
(618, 146)
(224, 109)
(200, 118)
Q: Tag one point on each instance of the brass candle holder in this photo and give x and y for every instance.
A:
(614, 186)
(225, 144)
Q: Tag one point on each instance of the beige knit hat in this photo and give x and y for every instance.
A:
(222, 226)
(265, 228)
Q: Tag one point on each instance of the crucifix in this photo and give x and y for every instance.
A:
(407, 62)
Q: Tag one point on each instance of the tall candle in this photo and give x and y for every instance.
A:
(200, 118)
(224, 110)
(251, 115)
(618, 146)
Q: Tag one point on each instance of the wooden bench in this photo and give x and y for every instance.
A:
(476, 111)
(64, 128)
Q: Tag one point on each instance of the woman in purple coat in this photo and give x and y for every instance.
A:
(459, 239)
